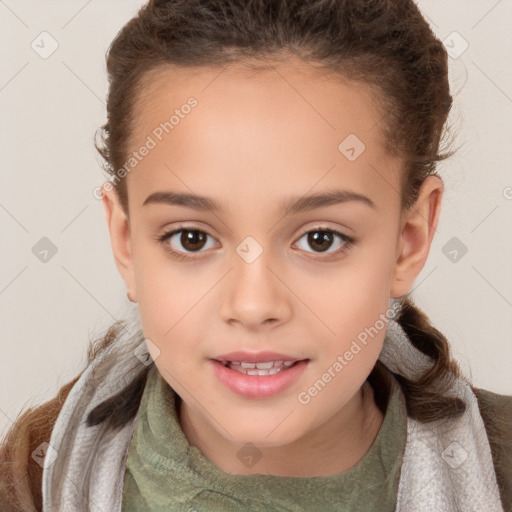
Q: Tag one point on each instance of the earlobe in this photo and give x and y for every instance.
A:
(417, 231)
(120, 238)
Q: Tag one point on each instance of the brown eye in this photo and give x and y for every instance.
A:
(185, 240)
(322, 239)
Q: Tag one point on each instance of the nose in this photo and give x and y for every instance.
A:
(256, 294)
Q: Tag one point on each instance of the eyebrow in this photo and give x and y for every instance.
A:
(290, 206)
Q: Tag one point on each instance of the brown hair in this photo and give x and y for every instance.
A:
(384, 43)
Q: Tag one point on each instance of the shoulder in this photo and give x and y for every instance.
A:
(496, 412)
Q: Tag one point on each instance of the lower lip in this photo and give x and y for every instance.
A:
(258, 386)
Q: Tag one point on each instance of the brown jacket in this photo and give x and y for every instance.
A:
(496, 411)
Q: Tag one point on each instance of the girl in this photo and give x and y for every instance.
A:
(273, 197)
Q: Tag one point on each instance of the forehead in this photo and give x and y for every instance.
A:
(280, 125)
(293, 88)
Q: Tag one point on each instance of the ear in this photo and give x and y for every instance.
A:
(417, 231)
(120, 237)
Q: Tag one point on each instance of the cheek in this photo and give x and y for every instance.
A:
(352, 296)
(169, 311)
(171, 301)
(165, 290)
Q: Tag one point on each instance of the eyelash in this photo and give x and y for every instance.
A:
(349, 241)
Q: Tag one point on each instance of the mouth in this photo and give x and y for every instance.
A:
(263, 379)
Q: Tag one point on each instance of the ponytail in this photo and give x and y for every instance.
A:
(427, 397)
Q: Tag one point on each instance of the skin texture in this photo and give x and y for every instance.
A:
(254, 139)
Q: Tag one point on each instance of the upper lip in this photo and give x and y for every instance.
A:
(255, 357)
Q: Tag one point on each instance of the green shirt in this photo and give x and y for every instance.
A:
(164, 472)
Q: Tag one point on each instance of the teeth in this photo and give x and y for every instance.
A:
(268, 368)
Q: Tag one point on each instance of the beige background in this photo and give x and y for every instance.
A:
(50, 109)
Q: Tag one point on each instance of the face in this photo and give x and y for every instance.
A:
(310, 283)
